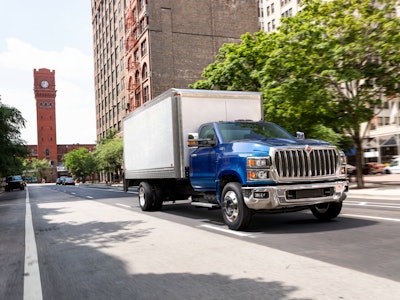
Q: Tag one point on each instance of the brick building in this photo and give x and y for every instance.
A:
(144, 47)
(44, 87)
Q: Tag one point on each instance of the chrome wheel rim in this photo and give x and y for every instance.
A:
(231, 206)
(142, 200)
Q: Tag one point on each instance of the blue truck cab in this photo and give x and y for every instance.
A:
(259, 166)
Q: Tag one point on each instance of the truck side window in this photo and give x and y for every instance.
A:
(207, 132)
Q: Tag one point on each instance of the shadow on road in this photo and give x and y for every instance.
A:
(76, 264)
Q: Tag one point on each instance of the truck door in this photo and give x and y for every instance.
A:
(203, 163)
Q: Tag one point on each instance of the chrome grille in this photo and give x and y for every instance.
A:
(306, 163)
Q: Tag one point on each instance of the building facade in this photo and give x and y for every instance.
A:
(109, 64)
(144, 47)
(382, 141)
(45, 95)
(271, 12)
(44, 87)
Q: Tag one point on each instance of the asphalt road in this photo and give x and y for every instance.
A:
(96, 243)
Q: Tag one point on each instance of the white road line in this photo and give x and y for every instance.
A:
(89, 197)
(372, 204)
(32, 284)
(123, 205)
(370, 217)
(238, 233)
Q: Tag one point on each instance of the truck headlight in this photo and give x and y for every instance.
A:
(258, 168)
(258, 162)
(257, 174)
(343, 163)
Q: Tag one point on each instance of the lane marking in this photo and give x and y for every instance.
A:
(386, 197)
(370, 217)
(123, 205)
(32, 283)
(89, 197)
(238, 233)
(373, 204)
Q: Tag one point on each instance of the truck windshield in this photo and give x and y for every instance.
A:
(233, 131)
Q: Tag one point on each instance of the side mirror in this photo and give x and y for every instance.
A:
(194, 141)
(300, 135)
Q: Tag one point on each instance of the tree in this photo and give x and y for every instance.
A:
(347, 52)
(109, 156)
(80, 162)
(12, 148)
(37, 168)
(330, 65)
(237, 66)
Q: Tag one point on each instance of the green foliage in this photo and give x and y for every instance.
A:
(110, 134)
(109, 155)
(326, 67)
(35, 167)
(80, 162)
(12, 149)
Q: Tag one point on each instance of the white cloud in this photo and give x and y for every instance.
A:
(75, 105)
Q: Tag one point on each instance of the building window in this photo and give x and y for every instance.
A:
(146, 96)
(137, 77)
(144, 72)
(143, 48)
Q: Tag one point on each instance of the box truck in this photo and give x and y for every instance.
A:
(215, 149)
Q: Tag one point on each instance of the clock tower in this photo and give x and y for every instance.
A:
(45, 94)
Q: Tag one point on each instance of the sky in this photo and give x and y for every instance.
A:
(56, 35)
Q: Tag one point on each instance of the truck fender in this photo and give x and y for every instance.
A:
(223, 179)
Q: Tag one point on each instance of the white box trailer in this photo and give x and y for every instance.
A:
(155, 134)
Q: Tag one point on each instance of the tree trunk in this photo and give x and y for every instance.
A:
(359, 160)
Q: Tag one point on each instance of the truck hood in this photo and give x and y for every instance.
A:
(264, 144)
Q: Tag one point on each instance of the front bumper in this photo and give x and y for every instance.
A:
(287, 196)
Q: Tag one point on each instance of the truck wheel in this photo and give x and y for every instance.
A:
(146, 196)
(326, 211)
(159, 197)
(234, 211)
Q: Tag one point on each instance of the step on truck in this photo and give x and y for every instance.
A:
(213, 148)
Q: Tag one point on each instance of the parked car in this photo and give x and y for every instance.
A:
(394, 167)
(14, 182)
(60, 180)
(367, 169)
(376, 168)
(351, 170)
(68, 181)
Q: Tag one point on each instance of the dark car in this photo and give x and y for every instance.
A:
(14, 182)
(60, 180)
(68, 181)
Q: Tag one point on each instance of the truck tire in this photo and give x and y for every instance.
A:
(146, 196)
(159, 197)
(234, 211)
(326, 211)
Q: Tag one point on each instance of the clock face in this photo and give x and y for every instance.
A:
(44, 84)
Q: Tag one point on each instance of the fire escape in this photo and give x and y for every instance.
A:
(132, 64)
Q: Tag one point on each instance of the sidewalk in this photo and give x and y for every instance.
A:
(385, 185)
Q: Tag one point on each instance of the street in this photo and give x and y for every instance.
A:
(96, 243)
